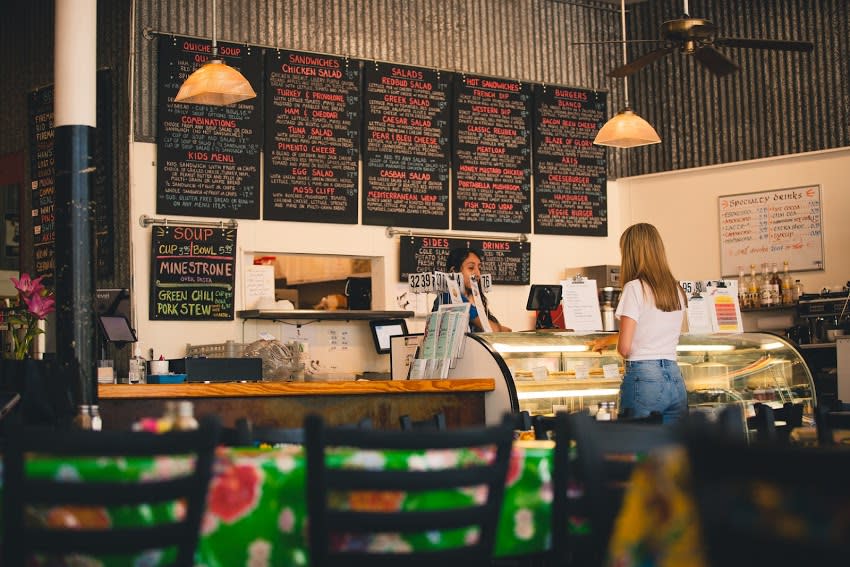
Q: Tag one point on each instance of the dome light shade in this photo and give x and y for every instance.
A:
(626, 130)
(215, 83)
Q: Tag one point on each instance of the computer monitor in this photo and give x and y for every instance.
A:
(383, 329)
(116, 329)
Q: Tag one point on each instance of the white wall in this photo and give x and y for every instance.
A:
(683, 205)
(550, 256)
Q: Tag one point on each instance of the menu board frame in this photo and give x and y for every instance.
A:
(788, 224)
(491, 118)
(208, 157)
(312, 137)
(570, 172)
(418, 254)
(193, 273)
(406, 145)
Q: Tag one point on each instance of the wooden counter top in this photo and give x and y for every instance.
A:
(276, 389)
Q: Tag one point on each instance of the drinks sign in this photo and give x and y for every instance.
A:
(192, 273)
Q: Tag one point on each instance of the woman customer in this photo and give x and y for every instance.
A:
(467, 261)
(650, 312)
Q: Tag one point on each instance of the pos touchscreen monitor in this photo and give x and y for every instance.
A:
(383, 329)
(116, 329)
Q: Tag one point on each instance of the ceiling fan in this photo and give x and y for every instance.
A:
(698, 37)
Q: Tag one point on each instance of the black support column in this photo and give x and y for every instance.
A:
(75, 121)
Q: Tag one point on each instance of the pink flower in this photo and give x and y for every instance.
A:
(40, 305)
(28, 286)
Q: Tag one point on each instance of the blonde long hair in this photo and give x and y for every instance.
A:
(644, 259)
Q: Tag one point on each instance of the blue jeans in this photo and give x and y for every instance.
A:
(654, 385)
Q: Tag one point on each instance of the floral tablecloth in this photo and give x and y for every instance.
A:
(257, 501)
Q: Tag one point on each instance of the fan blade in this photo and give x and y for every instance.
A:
(641, 62)
(715, 61)
(775, 44)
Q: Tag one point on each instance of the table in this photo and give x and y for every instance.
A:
(257, 500)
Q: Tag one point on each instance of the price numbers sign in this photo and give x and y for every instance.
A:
(421, 282)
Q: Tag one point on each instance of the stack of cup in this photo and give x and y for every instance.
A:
(159, 367)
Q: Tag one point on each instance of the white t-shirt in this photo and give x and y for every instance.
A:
(657, 332)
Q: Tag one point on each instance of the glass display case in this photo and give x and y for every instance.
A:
(546, 371)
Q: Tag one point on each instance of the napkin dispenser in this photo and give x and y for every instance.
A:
(199, 369)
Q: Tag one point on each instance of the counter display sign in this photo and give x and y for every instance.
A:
(312, 137)
(570, 177)
(492, 155)
(192, 273)
(406, 146)
(208, 157)
(509, 263)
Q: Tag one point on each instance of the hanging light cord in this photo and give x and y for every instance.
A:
(214, 44)
(625, 57)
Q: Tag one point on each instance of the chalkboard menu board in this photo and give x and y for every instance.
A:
(42, 176)
(508, 262)
(312, 132)
(570, 178)
(208, 157)
(192, 273)
(406, 146)
(492, 155)
(771, 226)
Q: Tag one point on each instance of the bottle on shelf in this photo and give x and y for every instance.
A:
(765, 290)
(797, 291)
(604, 412)
(775, 285)
(743, 289)
(138, 368)
(787, 285)
(753, 288)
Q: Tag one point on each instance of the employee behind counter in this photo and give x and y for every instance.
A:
(467, 261)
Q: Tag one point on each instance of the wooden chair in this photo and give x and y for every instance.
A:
(768, 504)
(436, 422)
(333, 522)
(25, 495)
(767, 420)
(605, 455)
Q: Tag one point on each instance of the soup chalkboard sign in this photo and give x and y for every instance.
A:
(192, 273)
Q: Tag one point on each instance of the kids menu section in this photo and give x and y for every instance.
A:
(439, 149)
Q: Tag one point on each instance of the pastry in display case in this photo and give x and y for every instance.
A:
(546, 371)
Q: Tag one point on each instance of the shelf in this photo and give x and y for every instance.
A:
(322, 315)
(816, 346)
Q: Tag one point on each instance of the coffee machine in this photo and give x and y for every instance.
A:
(821, 313)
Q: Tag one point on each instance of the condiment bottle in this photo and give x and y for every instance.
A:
(186, 416)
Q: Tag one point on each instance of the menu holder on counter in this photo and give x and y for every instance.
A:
(713, 306)
(581, 305)
(445, 330)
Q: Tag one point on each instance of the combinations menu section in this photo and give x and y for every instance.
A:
(508, 262)
(192, 273)
(208, 157)
(312, 138)
(569, 171)
(406, 146)
(492, 155)
(42, 175)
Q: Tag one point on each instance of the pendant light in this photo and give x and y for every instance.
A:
(216, 83)
(626, 129)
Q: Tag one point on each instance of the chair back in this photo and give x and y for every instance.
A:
(769, 504)
(182, 491)
(606, 453)
(416, 502)
(774, 425)
(557, 428)
(828, 421)
(436, 422)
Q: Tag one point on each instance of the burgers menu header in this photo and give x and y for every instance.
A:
(208, 157)
(492, 155)
(312, 138)
(569, 171)
(406, 146)
(508, 262)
